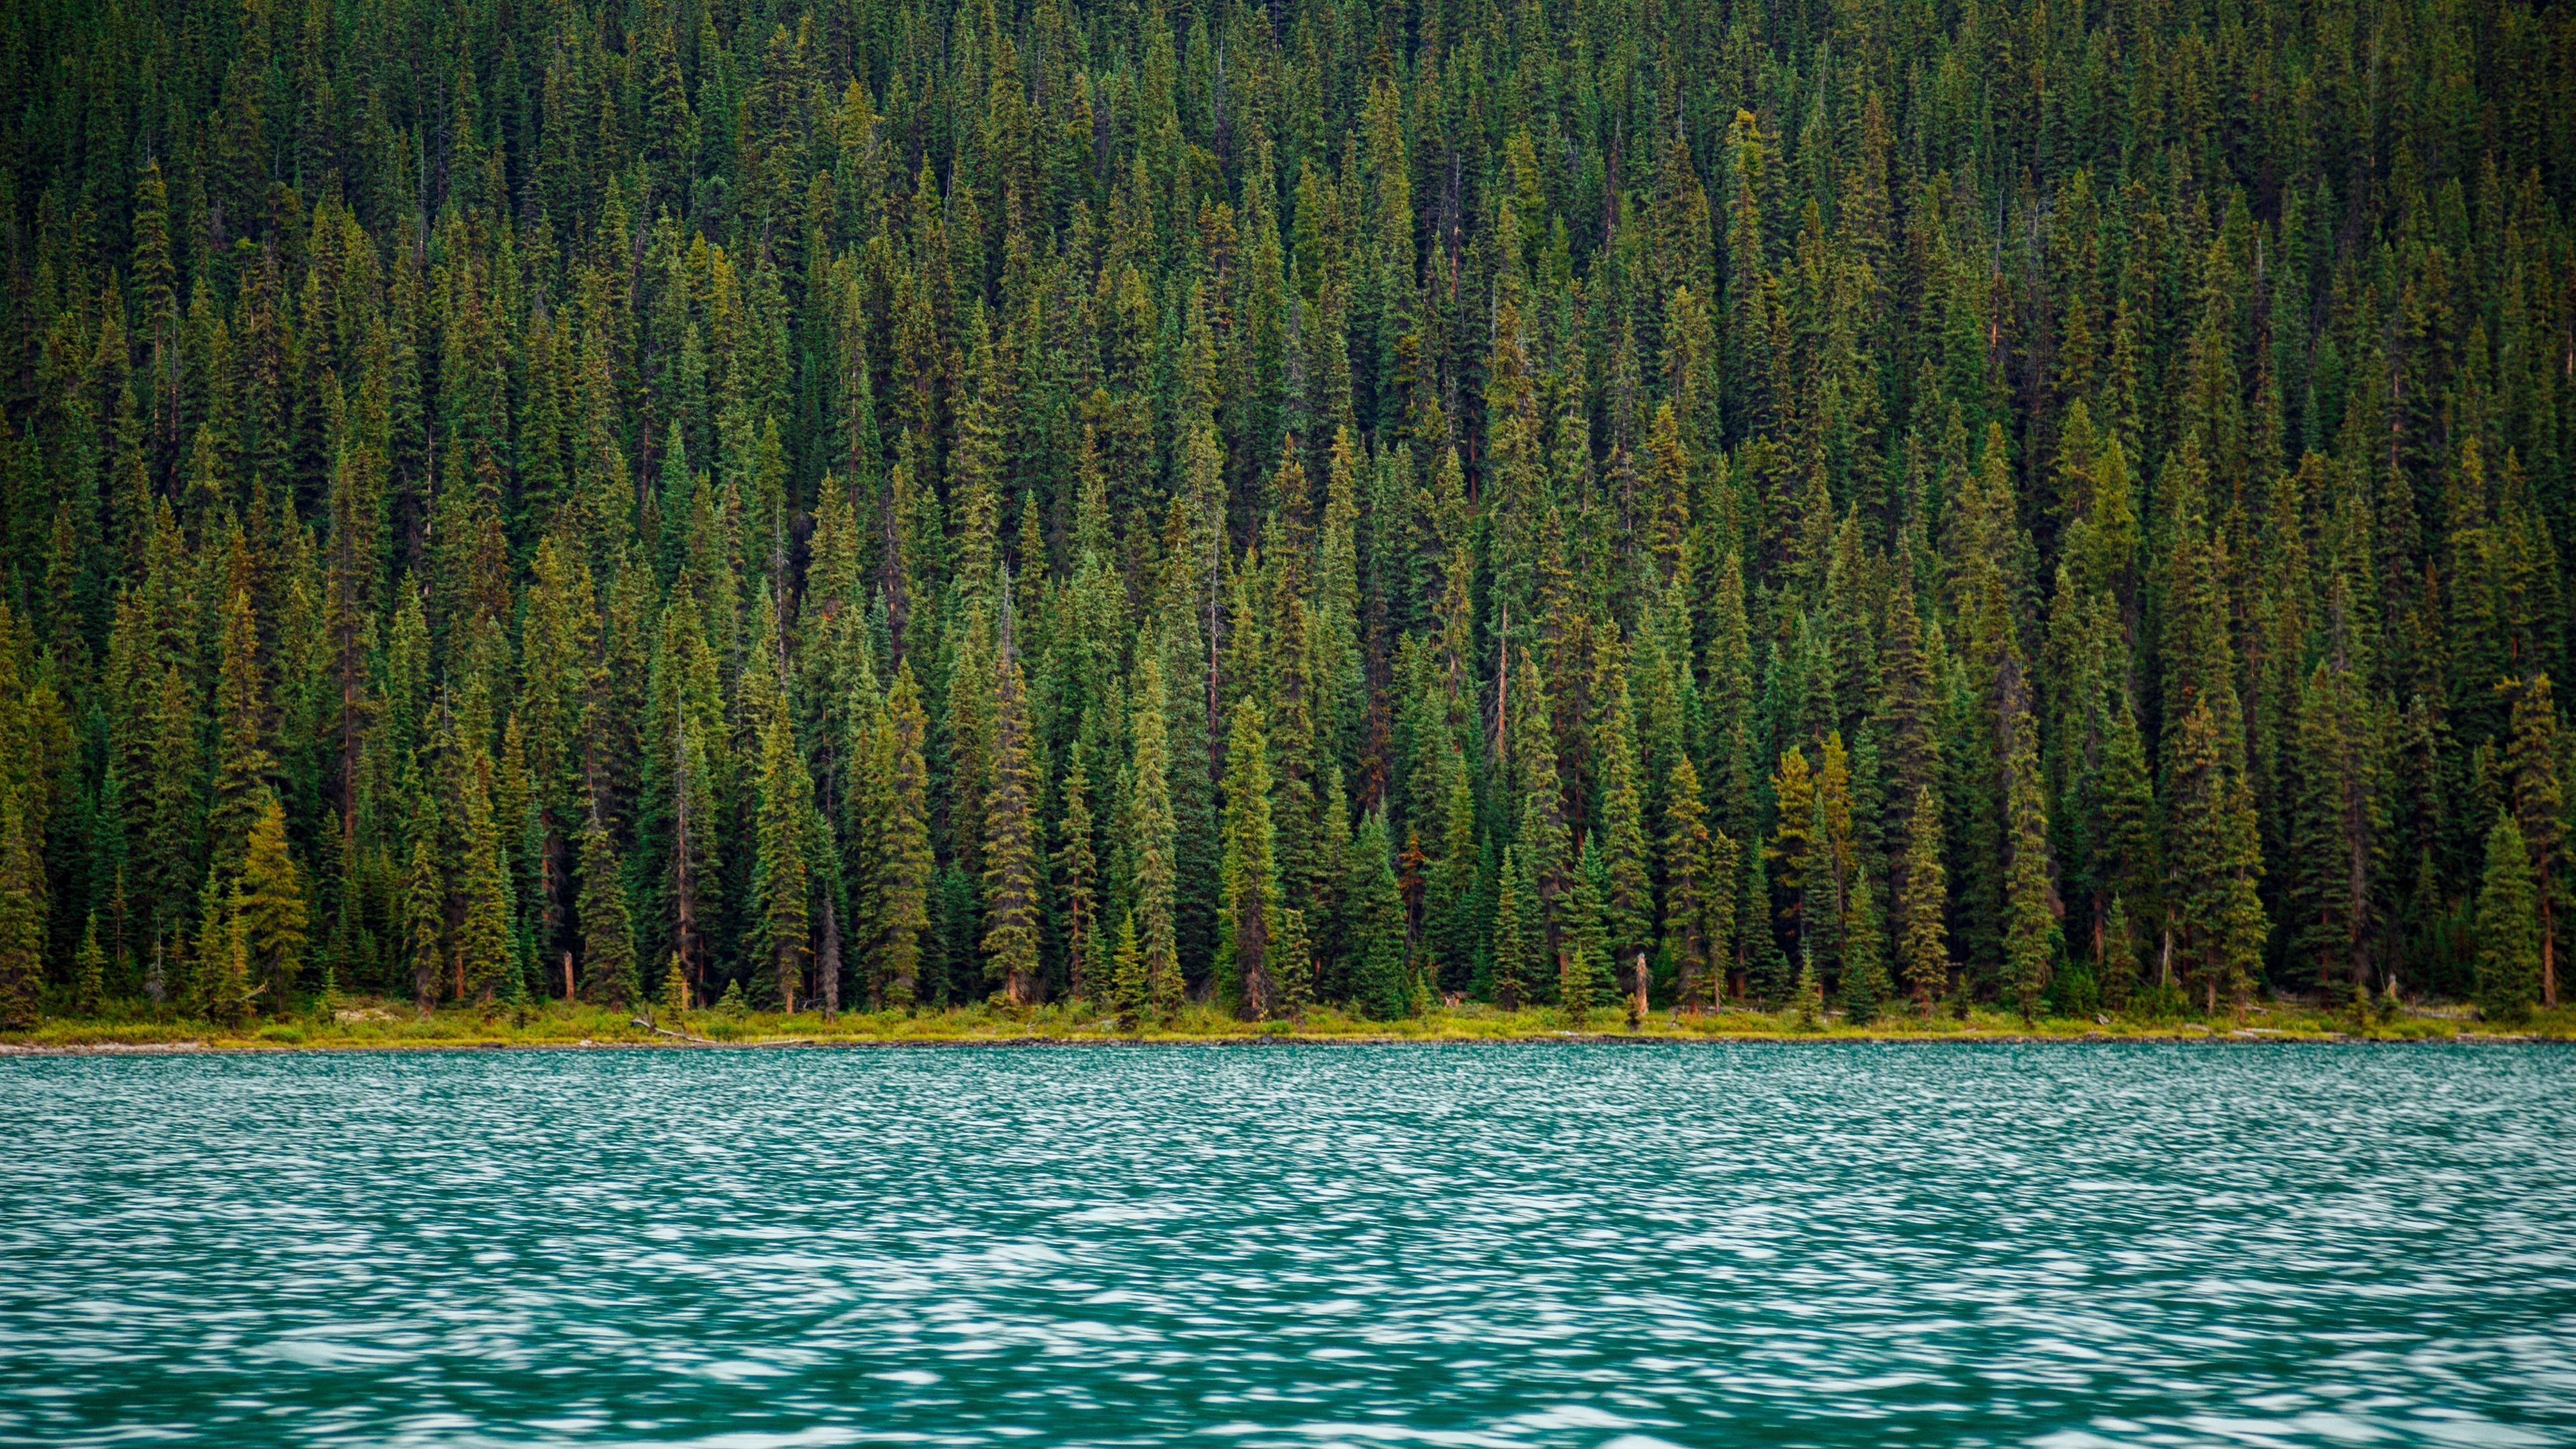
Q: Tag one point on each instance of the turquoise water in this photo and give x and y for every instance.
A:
(1470, 1246)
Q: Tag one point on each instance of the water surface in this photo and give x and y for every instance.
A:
(1470, 1246)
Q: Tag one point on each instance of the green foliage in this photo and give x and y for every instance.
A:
(2508, 928)
(608, 931)
(921, 486)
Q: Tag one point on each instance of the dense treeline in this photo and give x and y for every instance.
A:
(883, 504)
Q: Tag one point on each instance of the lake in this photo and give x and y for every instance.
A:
(1463, 1245)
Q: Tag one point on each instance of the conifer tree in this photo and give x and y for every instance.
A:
(1127, 994)
(2508, 977)
(1153, 836)
(89, 972)
(226, 964)
(607, 927)
(1077, 869)
(904, 860)
(424, 925)
(1807, 994)
(1516, 935)
(242, 761)
(1377, 932)
(1629, 902)
(2539, 809)
(1688, 885)
(1011, 864)
(782, 883)
(21, 918)
(1922, 906)
(2119, 964)
(1864, 983)
(274, 914)
(1583, 960)
(1250, 870)
(2030, 926)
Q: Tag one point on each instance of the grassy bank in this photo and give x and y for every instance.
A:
(360, 1024)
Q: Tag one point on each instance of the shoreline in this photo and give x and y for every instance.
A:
(378, 1024)
(1261, 1040)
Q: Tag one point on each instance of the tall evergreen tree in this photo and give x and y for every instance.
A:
(607, 927)
(2508, 980)
(1250, 871)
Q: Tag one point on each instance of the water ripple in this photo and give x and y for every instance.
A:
(1491, 1246)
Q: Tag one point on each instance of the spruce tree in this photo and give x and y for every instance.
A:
(1377, 934)
(1078, 872)
(1152, 835)
(485, 951)
(226, 965)
(2030, 926)
(243, 763)
(1864, 983)
(89, 972)
(2508, 978)
(1012, 868)
(21, 918)
(1922, 906)
(2539, 809)
(1250, 871)
(1127, 994)
(424, 921)
(1516, 935)
(607, 927)
(904, 860)
(782, 885)
(272, 904)
(2119, 965)
(1698, 961)
(1583, 959)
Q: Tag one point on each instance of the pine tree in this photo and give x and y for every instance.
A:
(2539, 809)
(485, 951)
(424, 925)
(1377, 934)
(2508, 979)
(1152, 834)
(89, 973)
(1630, 900)
(227, 985)
(1011, 866)
(242, 761)
(1688, 885)
(21, 917)
(1922, 906)
(782, 885)
(1076, 868)
(1516, 935)
(272, 905)
(1250, 871)
(1864, 980)
(2119, 965)
(904, 861)
(1583, 961)
(607, 927)
(1127, 994)
(2030, 925)
(1807, 996)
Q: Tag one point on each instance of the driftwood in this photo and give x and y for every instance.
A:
(710, 1041)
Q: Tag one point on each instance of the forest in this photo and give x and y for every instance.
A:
(879, 506)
